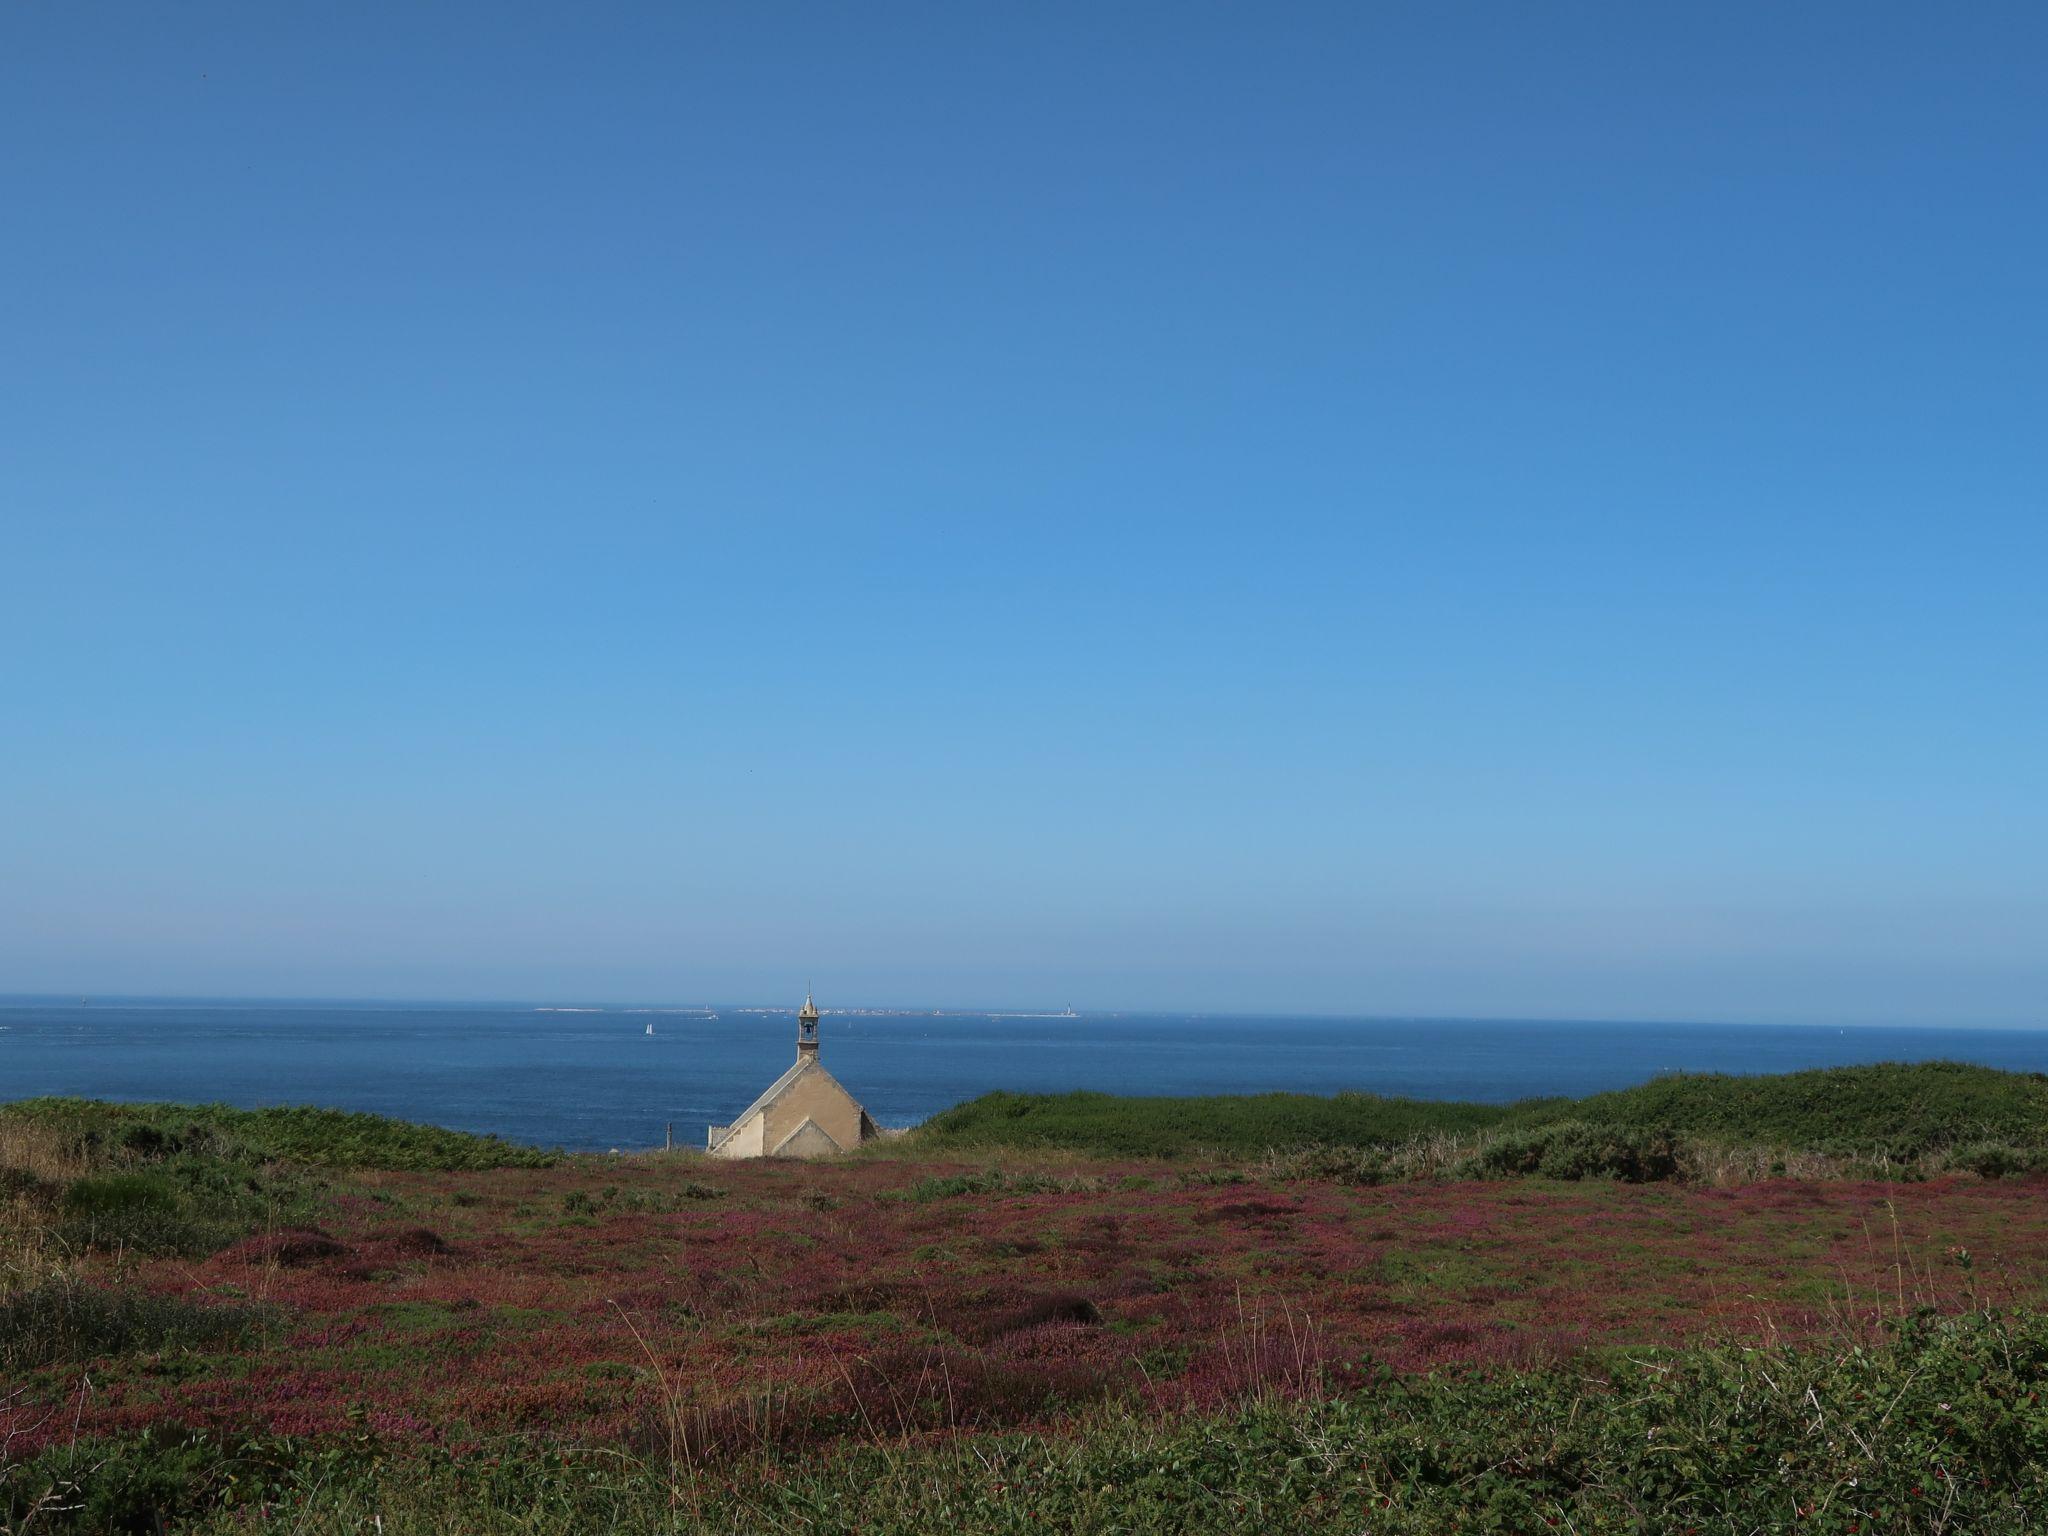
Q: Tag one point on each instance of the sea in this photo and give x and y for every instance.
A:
(591, 1078)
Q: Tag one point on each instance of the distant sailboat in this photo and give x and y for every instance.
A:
(650, 1029)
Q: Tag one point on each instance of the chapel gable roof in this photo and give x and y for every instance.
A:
(804, 1065)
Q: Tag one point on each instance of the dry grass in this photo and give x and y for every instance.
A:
(39, 1151)
(1725, 1167)
(35, 1162)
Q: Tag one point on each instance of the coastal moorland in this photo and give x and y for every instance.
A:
(1815, 1302)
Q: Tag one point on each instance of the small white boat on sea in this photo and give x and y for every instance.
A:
(650, 1029)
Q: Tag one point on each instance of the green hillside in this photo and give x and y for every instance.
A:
(1164, 1127)
(1895, 1110)
(328, 1138)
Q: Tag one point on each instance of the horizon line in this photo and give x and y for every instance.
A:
(115, 999)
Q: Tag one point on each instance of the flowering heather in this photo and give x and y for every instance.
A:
(670, 1302)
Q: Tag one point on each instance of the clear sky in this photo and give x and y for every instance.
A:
(1495, 509)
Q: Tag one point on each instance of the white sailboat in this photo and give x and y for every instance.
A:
(650, 1029)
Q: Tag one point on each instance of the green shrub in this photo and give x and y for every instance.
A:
(1996, 1159)
(660, 1201)
(1572, 1149)
(329, 1138)
(1335, 1165)
(158, 1482)
(139, 1211)
(171, 1178)
(1881, 1116)
(20, 1184)
(1170, 1127)
(1890, 1110)
(68, 1320)
(994, 1181)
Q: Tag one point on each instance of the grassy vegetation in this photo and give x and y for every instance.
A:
(1940, 1428)
(1116, 1126)
(324, 1138)
(1891, 1109)
(1358, 1315)
(1887, 1113)
(67, 1319)
(80, 1175)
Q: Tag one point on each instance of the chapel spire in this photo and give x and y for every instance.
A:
(807, 1028)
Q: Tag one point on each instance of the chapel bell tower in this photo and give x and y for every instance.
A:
(807, 1028)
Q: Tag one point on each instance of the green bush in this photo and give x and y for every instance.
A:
(172, 1178)
(1890, 1110)
(68, 1320)
(1168, 1127)
(1881, 1116)
(994, 1181)
(1335, 1165)
(1572, 1149)
(159, 1482)
(1996, 1159)
(139, 1211)
(20, 1184)
(329, 1138)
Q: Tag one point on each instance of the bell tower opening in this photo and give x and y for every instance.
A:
(807, 1028)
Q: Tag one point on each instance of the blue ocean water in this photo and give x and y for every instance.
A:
(593, 1079)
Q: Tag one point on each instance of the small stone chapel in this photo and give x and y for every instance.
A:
(804, 1113)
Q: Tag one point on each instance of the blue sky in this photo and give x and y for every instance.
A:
(1516, 510)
